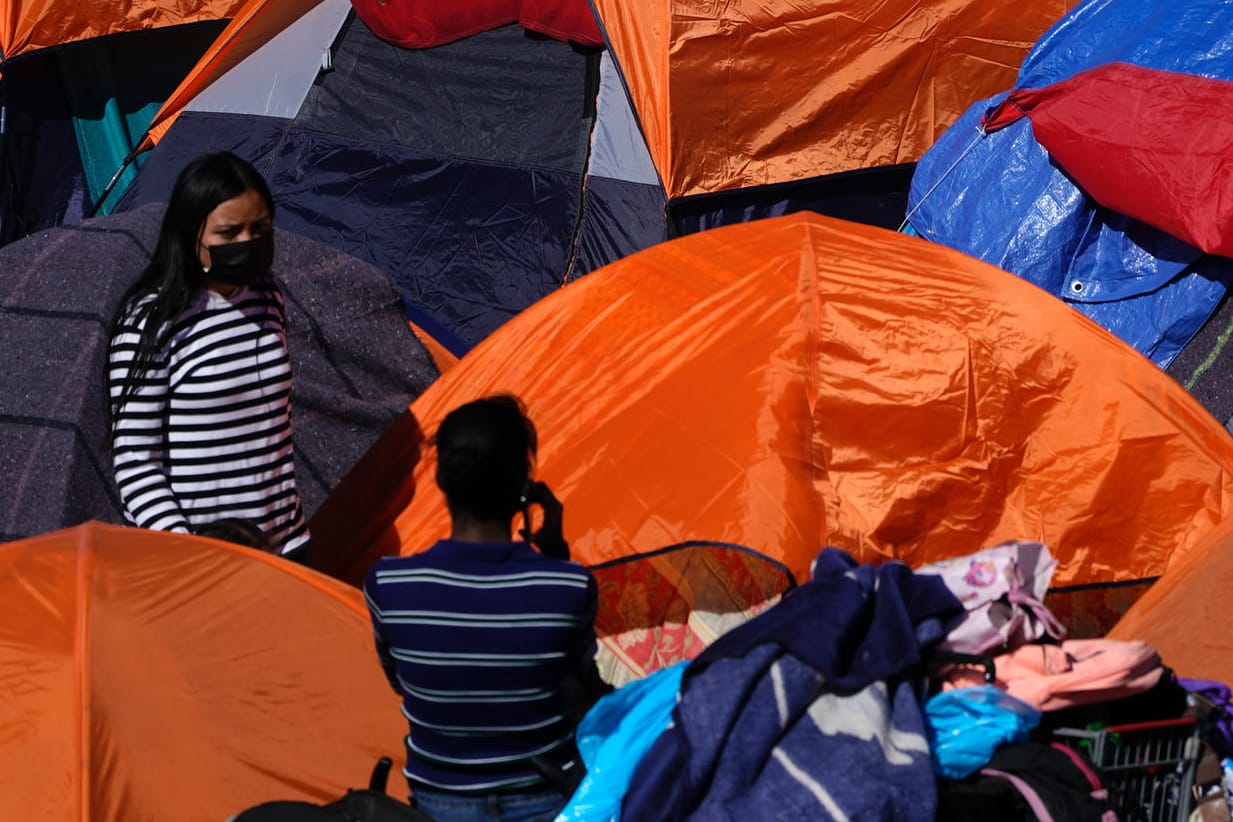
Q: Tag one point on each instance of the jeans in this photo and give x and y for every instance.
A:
(442, 806)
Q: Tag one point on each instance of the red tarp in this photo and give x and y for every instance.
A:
(1153, 145)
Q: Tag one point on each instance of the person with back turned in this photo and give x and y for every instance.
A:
(486, 637)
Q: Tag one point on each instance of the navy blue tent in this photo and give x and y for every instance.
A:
(468, 172)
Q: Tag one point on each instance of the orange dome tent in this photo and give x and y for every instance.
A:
(792, 383)
(1183, 614)
(756, 93)
(158, 676)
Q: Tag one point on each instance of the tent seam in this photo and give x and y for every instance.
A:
(213, 54)
(576, 236)
(669, 175)
(812, 281)
(81, 669)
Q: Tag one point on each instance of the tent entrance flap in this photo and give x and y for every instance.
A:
(74, 114)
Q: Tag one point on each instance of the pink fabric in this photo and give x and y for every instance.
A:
(1098, 792)
(1001, 590)
(1077, 672)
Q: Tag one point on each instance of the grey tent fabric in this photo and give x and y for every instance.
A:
(356, 364)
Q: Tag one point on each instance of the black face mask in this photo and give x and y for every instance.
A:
(241, 263)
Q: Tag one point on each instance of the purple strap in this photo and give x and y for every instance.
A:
(1029, 793)
(1092, 778)
(1052, 626)
(1098, 790)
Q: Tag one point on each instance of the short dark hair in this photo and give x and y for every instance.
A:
(485, 450)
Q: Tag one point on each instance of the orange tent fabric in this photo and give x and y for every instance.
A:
(752, 92)
(28, 25)
(158, 676)
(802, 381)
(351, 530)
(1183, 615)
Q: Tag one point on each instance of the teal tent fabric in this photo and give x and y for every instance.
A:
(106, 134)
(114, 86)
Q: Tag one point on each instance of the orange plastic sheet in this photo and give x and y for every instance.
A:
(28, 25)
(750, 92)
(157, 676)
(1184, 615)
(253, 25)
(797, 382)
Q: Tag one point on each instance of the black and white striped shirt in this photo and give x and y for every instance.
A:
(207, 433)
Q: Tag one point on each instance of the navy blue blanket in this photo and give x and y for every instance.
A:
(808, 711)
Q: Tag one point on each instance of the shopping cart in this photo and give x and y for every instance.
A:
(1148, 767)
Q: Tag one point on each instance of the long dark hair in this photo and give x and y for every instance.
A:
(174, 275)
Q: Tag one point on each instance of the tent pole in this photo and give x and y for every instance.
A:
(4, 139)
(132, 155)
(14, 214)
(590, 113)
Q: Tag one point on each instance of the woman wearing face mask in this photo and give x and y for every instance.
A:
(199, 378)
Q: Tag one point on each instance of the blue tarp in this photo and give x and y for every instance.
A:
(999, 197)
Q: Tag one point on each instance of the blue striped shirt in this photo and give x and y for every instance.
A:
(478, 638)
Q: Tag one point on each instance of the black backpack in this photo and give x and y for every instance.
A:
(1029, 781)
(371, 804)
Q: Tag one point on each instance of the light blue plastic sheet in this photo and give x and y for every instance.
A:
(612, 739)
(967, 725)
